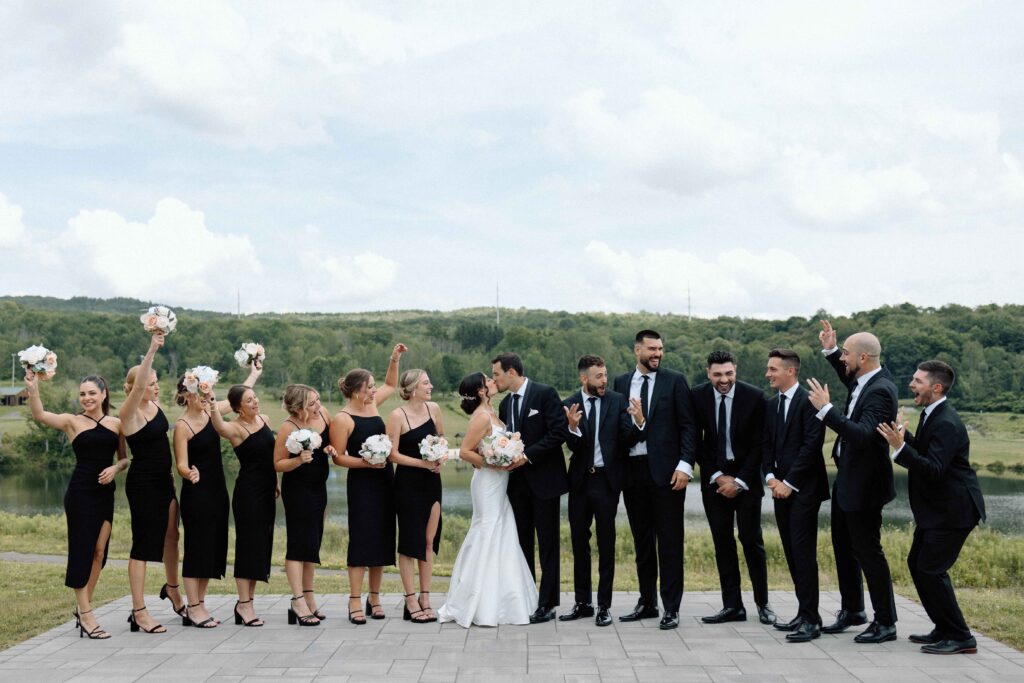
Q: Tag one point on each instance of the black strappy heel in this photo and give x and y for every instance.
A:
(205, 623)
(180, 611)
(316, 613)
(95, 634)
(134, 625)
(411, 616)
(430, 619)
(238, 617)
(371, 609)
(358, 621)
(305, 620)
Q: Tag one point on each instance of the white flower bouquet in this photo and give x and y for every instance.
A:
(433, 448)
(302, 440)
(159, 319)
(501, 450)
(376, 449)
(249, 354)
(39, 360)
(200, 380)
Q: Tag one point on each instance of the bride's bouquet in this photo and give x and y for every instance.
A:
(433, 448)
(159, 319)
(249, 354)
(200, 380)
(39, 360)
(376, 449)
(302, 440)
(502, 449)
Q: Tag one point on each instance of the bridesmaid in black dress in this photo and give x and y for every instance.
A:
(371, 508)
(89, 500)
(253, 501)
(150, 491)
(204, 500)
(417, 489)
(304, 493)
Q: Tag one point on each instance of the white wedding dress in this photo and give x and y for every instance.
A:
(491, 582)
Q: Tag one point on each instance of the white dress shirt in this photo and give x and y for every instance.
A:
(729, 455)
(861, 381)
(634, 392)
(598, 455)
(789, 394)
(927, 413)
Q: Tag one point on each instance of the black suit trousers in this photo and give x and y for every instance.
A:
(857, 544)
(797, 519)
(932, 553)
(538, 516)
(745, 511)
(656, 521)
(595, 502)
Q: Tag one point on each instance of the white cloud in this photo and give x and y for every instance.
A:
(340, 280)
(172, 257)
(12, 230)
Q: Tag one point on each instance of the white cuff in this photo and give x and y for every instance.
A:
(714, 476)
(577, 432)
(768, 477)
(829, 352)
(790, 486)
(824, 411)
(686, 468)
(640, 427)
(742, 484)
(897, 451)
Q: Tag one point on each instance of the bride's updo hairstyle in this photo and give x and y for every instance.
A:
(469, 391)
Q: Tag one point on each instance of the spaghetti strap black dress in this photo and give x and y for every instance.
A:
(204, 508)
(304, 493)
(253, 505)
(416, 491)
(87, 503)
(149, 488)
(371, 503)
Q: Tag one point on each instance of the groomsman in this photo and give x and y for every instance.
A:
(730, 426)
(794, 470)
(864, 482)
(600, 432)
(657, 472)
(536, 485)
(946, 501)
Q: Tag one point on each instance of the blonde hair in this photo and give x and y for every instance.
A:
(129, 380)
(296, 396)
(408, 381)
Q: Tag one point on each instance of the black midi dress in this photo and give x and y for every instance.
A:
(204, 508)
(149, 488)
(254, 506)
(416, 491)
(87, 503)
(371, 503)
(304, 493)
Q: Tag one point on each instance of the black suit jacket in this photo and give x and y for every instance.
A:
(669, 432)
(746, 432)
(799, 459)
(864, 479)
(616, 434)
(543, 433)
(944, 490)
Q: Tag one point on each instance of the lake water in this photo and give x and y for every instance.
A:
(33, 492)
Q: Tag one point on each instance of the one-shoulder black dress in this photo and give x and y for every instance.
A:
(149, 488)
(204, 508)
(304, 493)
(253, 505)
(416, 491)
(371, 503)
(87, 503)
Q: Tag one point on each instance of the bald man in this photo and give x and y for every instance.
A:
(863, 483)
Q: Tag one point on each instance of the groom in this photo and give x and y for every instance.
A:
(537, 483)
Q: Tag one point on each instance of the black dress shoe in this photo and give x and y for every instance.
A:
(641, 611)
(952, 647)
(542, 615)
(876, 633)
(766, 615)
(844, 620)
(727, 614)
(789, 625)
(669, 621)
(804, 633)
(603, 618)
(925, 638)
(578, 610)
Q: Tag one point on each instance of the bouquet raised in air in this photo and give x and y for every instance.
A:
(200, 380)
(376, 449)
(433, 447)
(159, 319)
(39, 360)
(250, 353)
(302, 440)
(503, 449)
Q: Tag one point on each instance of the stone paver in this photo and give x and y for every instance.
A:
(395, 650)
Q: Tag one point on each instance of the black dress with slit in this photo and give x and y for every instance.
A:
(416, 491)
(149, 488)
(204, 508)
(87, 503)
(371, 502)
(254, 506)
(304, 493)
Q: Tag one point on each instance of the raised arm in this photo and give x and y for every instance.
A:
(391, 378)
(130, 408)
(255, 371)
(879, 406)
(61, 421)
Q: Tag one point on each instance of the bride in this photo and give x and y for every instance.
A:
(491, 583)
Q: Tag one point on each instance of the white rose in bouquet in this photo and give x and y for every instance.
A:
(159, 319)
(200, 379)
(502, 450)
(433, 448)
(302, 440)
(249, 353)
(376, 449)
(39, 360)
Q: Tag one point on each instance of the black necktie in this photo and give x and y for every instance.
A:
(920, 424)
(591, 427)
(644, 398)
(780, 426)
(514, 417)
(722, 459)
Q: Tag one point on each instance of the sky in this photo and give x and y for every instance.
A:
(737, 158)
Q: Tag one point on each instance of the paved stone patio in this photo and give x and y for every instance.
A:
(394, 650)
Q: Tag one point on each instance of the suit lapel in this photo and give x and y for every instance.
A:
(524, 409)
(603, 415)
(660, 389)
(794, 405)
